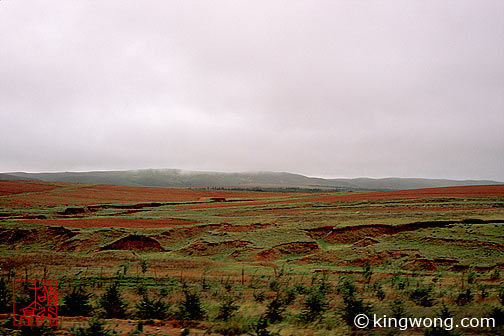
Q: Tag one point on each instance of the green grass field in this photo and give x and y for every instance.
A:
(256, 263)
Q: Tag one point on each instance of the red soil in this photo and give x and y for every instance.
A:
(135, 242)
(109, 222)
(452, 192)
(84, 194)
(19, 187)
(467, 191)
(40, 193)
(352, 234)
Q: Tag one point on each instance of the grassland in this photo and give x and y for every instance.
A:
(257, 250)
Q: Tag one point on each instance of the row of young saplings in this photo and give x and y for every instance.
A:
(278, 298)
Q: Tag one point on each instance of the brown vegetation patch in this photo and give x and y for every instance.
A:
(14, 215)
(352, 234)
(135, 243)
(288, 249)
(445, 192)
(445, 261)
(46, 236)
(320, 232)
(19, 187)
(71, 211)
(82, 194)
(483, 269)
(87, 194)
(218, 199)
(113, 222)
(410, 259)
(457, 192)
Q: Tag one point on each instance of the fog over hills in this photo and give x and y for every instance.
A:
(245, 180)
(323, 88)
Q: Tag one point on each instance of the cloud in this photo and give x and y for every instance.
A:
(332, 88)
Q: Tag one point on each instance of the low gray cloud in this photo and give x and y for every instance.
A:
(324, 88)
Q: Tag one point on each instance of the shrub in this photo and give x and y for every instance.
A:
(352, 305)
(346, 288)
(96, 327)
(275, 309)
(8, 324)
(464, 297)
(76, 303)
(190, 307)
(471, 277)
(290, 295)
(367, 274)
(399, 282)
(422, 296)
(398, 309)
(274, 285)
(141, 289)
(38, 331)
(495, 275)
(260, 328)
(112, 302)
(301, 289)
(444, 313)
(402, 284)
(500, 294)
(259, 296)
(380, 293)
(144, 264)
(315, 305)
(322, 284)
(23, 300)
(151, 309)
(227, 309)
(164, 291)
(5, 297)
(497, 313)
(483, 291)
(228, 286)
(231, 329)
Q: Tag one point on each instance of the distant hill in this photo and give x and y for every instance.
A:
(11, 177)
(249, 180)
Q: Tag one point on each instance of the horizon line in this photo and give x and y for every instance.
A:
(245, 172)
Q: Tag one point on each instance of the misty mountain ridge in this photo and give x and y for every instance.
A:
(244, 180)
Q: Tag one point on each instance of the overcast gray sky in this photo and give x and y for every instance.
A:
(323, 88)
